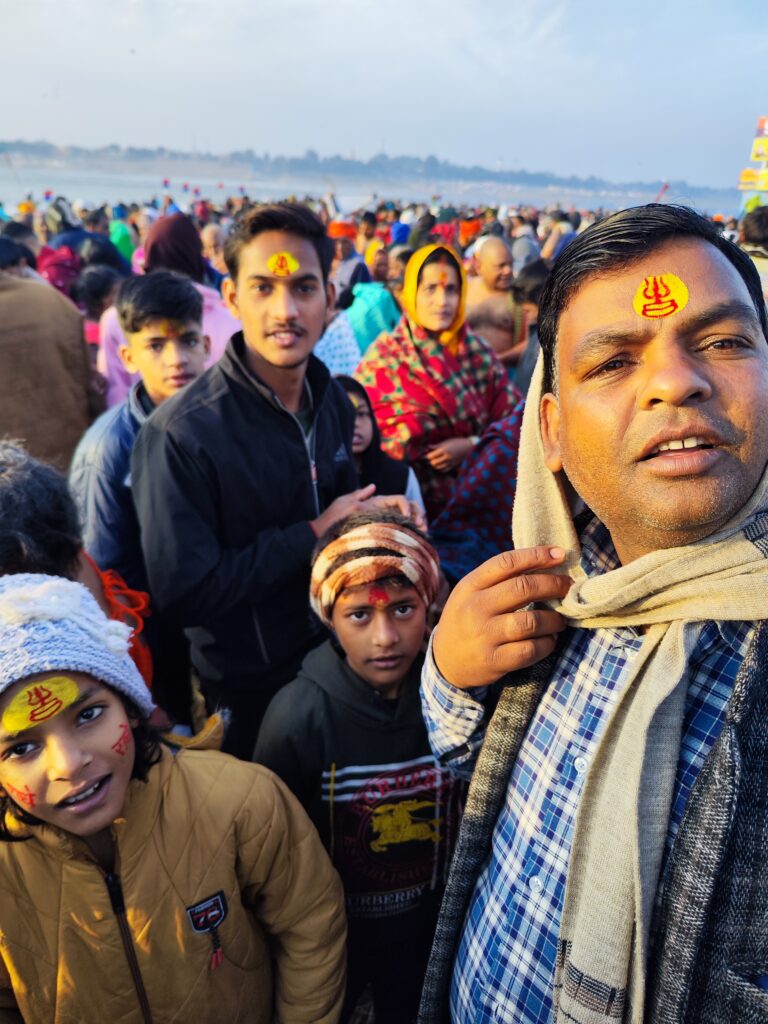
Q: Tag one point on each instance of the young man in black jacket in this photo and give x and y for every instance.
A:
(236, 477)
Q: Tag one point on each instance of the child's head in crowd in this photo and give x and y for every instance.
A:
(39, 523)
(73, 710)
(374, 575)
(161, 316)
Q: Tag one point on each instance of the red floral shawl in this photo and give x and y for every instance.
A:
(422, 395)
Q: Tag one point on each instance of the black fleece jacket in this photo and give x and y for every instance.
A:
(224, 487)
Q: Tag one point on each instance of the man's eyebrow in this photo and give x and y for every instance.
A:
(294, 278)
(735, 310)
(84, 696)
(608, 337)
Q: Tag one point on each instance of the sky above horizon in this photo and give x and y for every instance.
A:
(626, 92)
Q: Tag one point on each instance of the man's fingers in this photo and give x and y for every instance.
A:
(364, 492)
(527, 625)
(524, 653)
(511, 564)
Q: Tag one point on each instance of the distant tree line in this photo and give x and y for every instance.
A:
(379, 167)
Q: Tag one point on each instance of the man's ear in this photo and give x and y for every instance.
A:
(549, 417)
(330, 294)
(126, 358)
(207, 344)
(229, 294)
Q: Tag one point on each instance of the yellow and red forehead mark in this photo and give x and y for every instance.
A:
(378, 597)
(660, 295)
(39, 702)
(283, 264)
(443, 279)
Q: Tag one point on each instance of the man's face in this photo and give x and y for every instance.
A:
(280, 298)
(496, 266)
(66, 750)
(629, 383)
(168, 355)
(344, 248)
(381, 628)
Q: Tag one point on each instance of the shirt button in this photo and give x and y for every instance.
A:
(580, 764)
(535, 883)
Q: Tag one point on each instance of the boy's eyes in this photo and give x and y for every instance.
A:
(192, 341)
(401, 611)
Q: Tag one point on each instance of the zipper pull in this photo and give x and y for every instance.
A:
(314, 471)
(217, 956)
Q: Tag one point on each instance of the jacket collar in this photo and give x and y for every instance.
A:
(234, 365)
(137, 399)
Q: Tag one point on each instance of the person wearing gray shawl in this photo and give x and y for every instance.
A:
(605, 683)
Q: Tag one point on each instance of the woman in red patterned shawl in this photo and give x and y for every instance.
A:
(434, 387)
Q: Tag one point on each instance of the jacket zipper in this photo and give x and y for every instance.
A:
(115, 890)
(310, 450)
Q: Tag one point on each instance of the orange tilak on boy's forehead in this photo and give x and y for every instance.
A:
(378, 597)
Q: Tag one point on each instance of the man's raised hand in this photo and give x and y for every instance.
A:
(486, 628)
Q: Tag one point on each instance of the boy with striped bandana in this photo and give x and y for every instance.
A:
(347, 736)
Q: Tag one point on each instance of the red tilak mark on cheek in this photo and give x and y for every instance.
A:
(22, 796)
(121, 744)
(378, 596)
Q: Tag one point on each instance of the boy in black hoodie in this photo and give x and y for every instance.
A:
(348, 737)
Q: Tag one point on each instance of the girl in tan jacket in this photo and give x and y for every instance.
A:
(137, 883)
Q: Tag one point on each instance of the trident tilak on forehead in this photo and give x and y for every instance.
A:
(283, 264)
(660, 295)
(39, 702)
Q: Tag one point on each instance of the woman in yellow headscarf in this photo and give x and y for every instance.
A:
(434, 387)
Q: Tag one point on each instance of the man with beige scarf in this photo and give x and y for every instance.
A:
(605, 683)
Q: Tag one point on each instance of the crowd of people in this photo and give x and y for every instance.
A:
(381, 614)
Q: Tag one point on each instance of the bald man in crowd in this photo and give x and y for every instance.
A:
(491, 309)
(213, 237)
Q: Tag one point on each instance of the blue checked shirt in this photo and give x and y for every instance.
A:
(505, 965)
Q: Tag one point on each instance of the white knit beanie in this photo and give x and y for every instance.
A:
(49, 624)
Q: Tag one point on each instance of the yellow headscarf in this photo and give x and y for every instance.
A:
(452, 335)
(370, 252)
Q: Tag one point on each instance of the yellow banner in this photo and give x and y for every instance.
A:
(753, 180)
(760, 149)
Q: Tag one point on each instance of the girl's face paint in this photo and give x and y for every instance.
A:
(660, 295)
(38, 703)
(121, 744)
(283, 264)
(22, 796)
(72, 762)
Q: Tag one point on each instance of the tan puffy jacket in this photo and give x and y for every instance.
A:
(207, 842)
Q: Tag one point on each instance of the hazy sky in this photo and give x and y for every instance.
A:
(616, 88)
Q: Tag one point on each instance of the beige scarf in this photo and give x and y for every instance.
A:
(623, 816)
